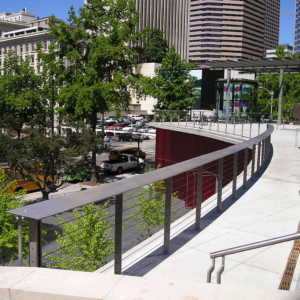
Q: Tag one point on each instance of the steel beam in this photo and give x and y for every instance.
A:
(220, 183)
(35, 243)
(199, 197)
(167, 227)
(118, 233)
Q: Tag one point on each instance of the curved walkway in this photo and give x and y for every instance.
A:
(270, 208)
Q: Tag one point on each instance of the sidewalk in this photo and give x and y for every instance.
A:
(270, 208)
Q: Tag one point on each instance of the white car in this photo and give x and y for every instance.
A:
(130, 127)
(153, 131)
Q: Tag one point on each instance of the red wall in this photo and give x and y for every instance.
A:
(173, 147)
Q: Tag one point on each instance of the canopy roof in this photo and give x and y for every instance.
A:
(260, 66)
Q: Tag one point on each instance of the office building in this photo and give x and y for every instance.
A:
(233, 29)
(272, 24)
(297, 27)
(170, 16)
(270, 53)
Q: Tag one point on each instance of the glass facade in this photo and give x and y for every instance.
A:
(243, 98)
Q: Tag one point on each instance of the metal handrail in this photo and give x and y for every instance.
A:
(260, 244)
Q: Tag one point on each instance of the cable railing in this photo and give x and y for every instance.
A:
(247, 247)
(194, 180)
(243, 126)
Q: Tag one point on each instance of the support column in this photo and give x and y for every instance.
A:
(245, 168)
(118, 233)
(199, 197)
(20, 245)
(35, 243)
(228, 94)
(258, 158)
(253, 162)
(279, 119)
(167, 227)
(235, 162)
(220, 183)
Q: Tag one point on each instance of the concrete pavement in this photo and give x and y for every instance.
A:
(269, 208)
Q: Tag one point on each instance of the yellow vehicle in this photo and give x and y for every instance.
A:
(114, 153)
(22, 183)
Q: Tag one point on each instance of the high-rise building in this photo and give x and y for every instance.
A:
(272, 24)
(227, 29)
(297, 27)
(170, 16)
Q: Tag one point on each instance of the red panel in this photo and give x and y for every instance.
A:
(173, 147)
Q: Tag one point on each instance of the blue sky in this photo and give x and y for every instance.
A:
(59, 8)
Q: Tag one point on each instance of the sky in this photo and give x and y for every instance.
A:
(59, 8)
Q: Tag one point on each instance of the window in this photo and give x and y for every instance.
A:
(21, 48)
(4, 50)
(0, 51)
(38, 70)
(32, 46)
(32, 59)
(15, 48)
(26, 48)
(45, 45)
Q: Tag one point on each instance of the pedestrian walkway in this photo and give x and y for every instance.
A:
(269, 208)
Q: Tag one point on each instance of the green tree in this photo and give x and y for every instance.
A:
(173, 86)
(149, 205)
(37, 156)
(100, 71)
(291, 89)
(9, 223)
(20, 94)
(84, 243)
(154, 45)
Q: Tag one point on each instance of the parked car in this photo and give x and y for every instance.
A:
(152, 131)
(138, 136)
(124, 162)
(125, 136)
(119, 126)
(145, 129)
(131, 127)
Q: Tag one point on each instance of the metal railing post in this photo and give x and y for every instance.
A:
(258, 158)
(210, 124)
(235, 163)
(218, 124)
(234, 126)
(296, 138)
(199, 197)
(194, 118)
(178, 118)
(35, 243)
(253, 162)
(258, 128)
(118, 233)
(155, 117)
(263, 153)
(245, 168)
(163, 118)
(20, 245)
(250, 128)
(220, 271)
(226, 124)
(242, 129)
(210, 270)
(167, 226)
(186, 117)
(171, 117)
(220, 183)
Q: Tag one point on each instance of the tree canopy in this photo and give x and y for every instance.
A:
(291, 89)
(173, 86)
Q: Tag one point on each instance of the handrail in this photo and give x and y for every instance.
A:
(242, 248)
(36, 212)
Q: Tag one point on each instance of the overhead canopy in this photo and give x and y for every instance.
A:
(260, 66)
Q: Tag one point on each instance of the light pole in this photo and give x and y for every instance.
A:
(272, 94)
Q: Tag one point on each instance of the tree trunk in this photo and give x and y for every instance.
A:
(45, 195)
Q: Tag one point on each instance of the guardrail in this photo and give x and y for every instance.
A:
(235, 157)
(201, 120)
(260, 244)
